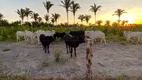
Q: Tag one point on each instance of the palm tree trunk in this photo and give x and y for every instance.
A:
(27, 19)
(48, 15)
(95, 17)
(74, 19)
(87, 21)
(22, 21)
(118, 20)
(67, 17)
(56, 22)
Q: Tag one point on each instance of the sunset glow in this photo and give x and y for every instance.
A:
(134, 11)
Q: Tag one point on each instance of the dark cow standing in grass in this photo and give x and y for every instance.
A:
(45, 41)
(77, 33)
(60, 35)
(73, 42)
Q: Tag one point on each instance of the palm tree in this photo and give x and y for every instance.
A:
(35, 16)
(27, 13)
(94, 8)
(66, 5)
(52, 20)
(39, 19)
(107, 23)
(114, 24)
(55, 16)
(99, 22)
(47, 5)
(21, 14)
(119, 12)
(74, 7)
(81, 17)
(1, 16)
(87, 18)
(124, 22)
(46, 17)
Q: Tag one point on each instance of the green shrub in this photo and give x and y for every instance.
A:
(6, 49)
(8, 33)
(13, 77)
(44, 64)
(57, 55)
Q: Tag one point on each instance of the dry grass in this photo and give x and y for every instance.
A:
(95, 77)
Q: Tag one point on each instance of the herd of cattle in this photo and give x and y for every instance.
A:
(71, 39)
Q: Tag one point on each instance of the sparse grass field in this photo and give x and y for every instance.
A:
(113, 33)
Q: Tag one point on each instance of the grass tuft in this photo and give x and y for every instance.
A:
(6, 49)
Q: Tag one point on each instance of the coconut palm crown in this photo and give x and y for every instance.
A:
(94, 8)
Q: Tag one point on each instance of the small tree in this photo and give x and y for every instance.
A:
(119, 12)
(87, 18)
(99, 22)
(21, 13)
(81, 17)
(1, 16)
(46, 17)
(107, 23)
(39, 19)
(52, 20)
(35, 16)
(56, 16)
(27, 13)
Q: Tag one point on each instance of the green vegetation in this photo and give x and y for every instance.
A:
(44, 64)
(13, 77)
(113, 33)
(96, 77)
(6, 49)
(57, 55)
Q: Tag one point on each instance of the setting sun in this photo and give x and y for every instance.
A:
(131, 19)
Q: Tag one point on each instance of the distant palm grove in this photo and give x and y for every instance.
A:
(49, 21)
(69, 6)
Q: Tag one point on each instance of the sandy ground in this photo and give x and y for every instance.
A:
(110, 60)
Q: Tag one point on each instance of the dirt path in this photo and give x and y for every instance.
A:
(111, 59)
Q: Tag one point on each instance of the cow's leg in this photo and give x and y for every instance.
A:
(67, 48)
(45, 49)
(48, 49)
(71, 50)
(25, 38)
(75, 52)
(31, 39)
(17, 38)
(38, 40)
(104, 40)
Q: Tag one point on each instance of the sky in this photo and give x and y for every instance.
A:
(133, 8)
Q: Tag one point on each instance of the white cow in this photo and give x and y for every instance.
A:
(94, 35)
(30, 36)
(130, 35)
(20, 34)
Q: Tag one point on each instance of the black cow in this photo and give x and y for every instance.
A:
(73, 42)
(45, 41)
(77, 33)
(60, 35)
